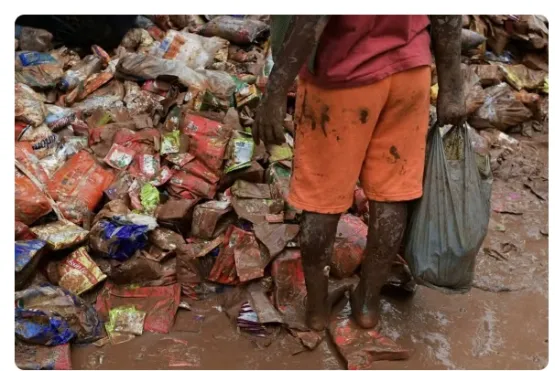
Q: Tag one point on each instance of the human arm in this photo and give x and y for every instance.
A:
(446, 44)
(299, 41)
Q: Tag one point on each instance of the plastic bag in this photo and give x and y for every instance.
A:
(34, 39)
(196, 51)
(51, 315)
(236, 30)
(29, 106)
(451, 219)
(43, 76)
(522, 77)
(147, 67)
(501, 109)
(40, 357)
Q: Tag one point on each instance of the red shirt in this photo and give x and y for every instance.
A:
(361, 49)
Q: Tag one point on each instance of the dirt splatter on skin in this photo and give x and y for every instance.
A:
(325, 118)
(393, 152)
(363, 116)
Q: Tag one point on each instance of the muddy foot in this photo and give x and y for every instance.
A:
(366, 311)
(317, 319)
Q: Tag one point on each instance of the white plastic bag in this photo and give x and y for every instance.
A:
(451, 219)
(197, 52)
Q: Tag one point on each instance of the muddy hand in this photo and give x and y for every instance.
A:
(268, 124)
(451, 109)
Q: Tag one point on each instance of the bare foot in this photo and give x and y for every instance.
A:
(365, 310)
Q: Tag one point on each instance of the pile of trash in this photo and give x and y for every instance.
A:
(505, 72)
(139, 189)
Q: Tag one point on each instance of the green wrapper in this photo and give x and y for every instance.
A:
(150, 197)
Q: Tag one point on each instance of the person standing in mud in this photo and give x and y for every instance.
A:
(362, 111)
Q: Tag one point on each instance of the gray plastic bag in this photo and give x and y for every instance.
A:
(450, 221)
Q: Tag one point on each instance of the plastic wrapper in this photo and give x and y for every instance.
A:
(71, 146)
(244, 189)
(289, 287)
(489, 74)
(196, 51)
(139, 101)
(61, 234)
(78, 272)
(209, 219)
(58, 118)
(521, 77)
(237, 30)
(445, 234)
(51, 315)
(255, 210)
(275, 236)
(224, 270)
(200, 170)
(361, 347)
(159, 303)
(249, 262)
(27, 257)
(280, 152)
(162, 177)
(119, 157)
(29, 106)
(150, 198)
(348, 249)
(40, 357)
(192, 183)
(22, 232)
(120, 187)
(44, 142)
(137, 40)
(30, 58)
(34, 39)
(30, 202)
(180, 159)
(80, 182)
(80, 72)
(43, 76)
(242, 149)
(501, 109)
(208, 140)
(146, 67)
(149, 165)
(119, 237)
(220, 84)
(170, 143)
(125, 320)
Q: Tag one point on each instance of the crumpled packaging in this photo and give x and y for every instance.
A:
(78, 272)
(27, 257)
(51, 315)
(61, 234)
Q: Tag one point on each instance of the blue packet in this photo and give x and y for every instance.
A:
(123, 239)
(37, 327)
(35, 58)
(25, 251)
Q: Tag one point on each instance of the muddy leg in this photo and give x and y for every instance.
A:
(317, 237)
(386, 226)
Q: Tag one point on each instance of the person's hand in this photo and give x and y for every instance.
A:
(451, 106)
(268, 123)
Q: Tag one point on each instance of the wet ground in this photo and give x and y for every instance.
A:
(502, 323)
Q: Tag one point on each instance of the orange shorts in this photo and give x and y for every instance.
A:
(375, 133)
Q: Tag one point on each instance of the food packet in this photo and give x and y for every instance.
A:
(61, 234)
(170, 143)
(241, 147)
(78, 272)
(126, 320)
(119, 157)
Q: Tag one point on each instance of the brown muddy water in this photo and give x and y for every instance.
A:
(502, 323)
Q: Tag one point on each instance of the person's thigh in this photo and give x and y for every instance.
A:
(394, 165)
(334, 127)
